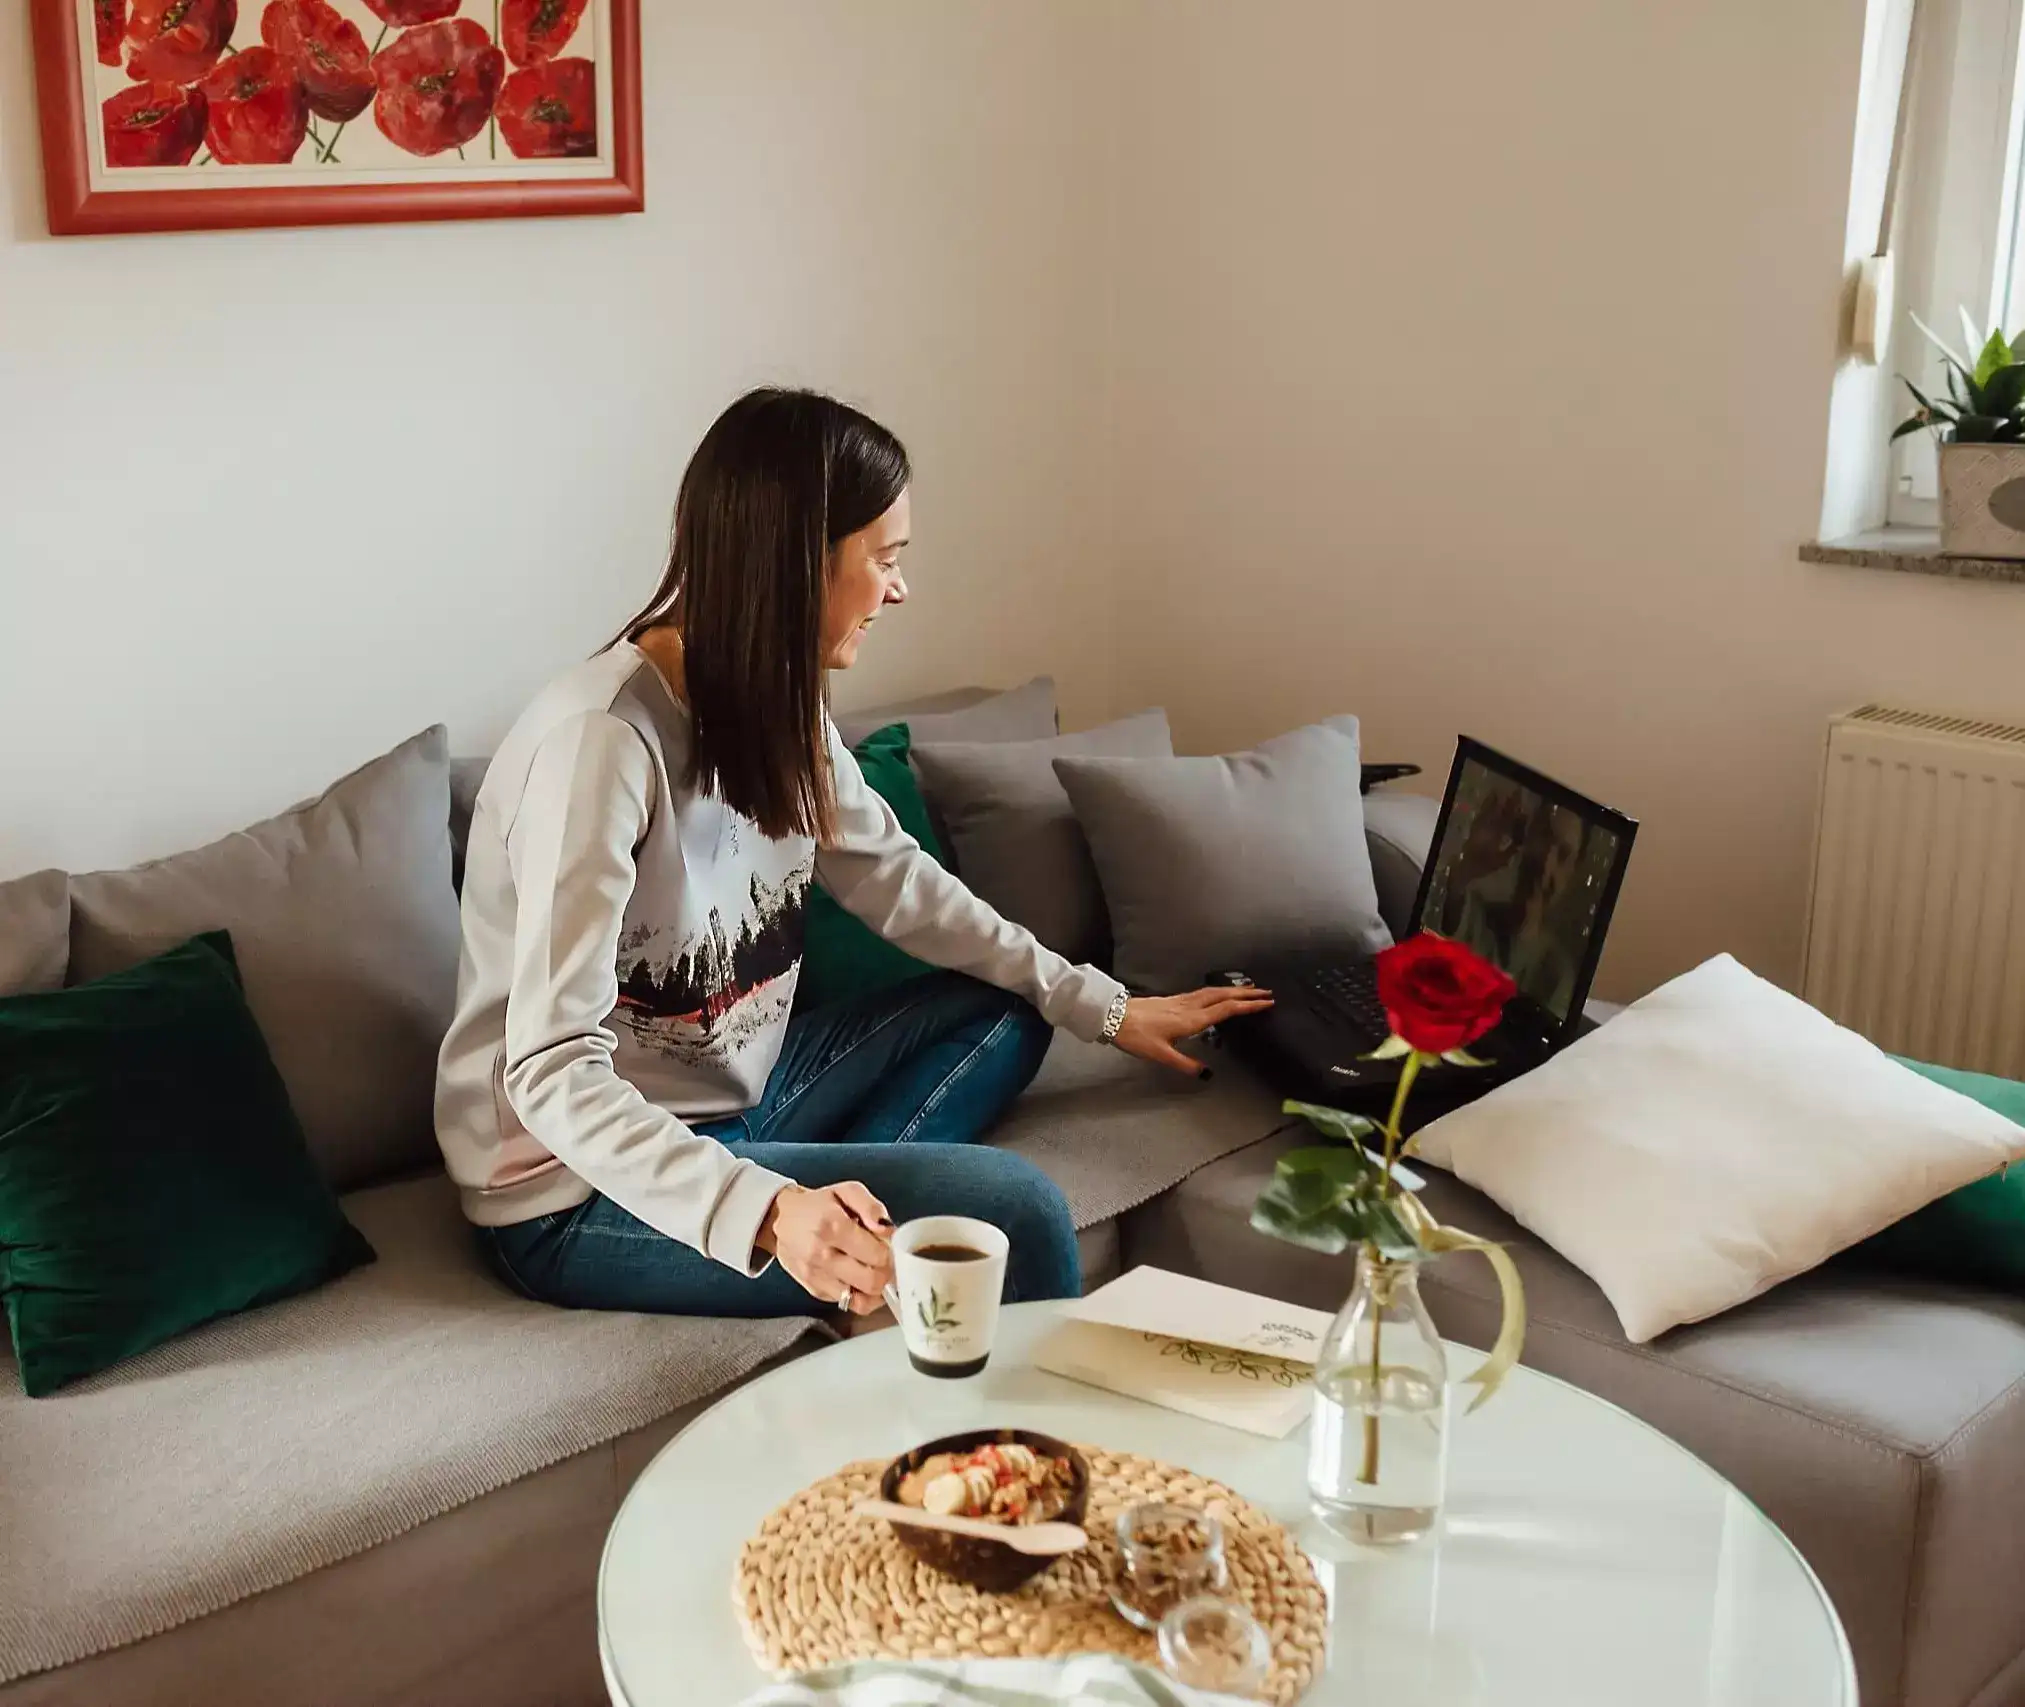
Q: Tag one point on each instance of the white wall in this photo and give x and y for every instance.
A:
(1477, 365)
(270, 502)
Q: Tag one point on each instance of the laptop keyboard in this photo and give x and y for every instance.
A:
(1352, 992)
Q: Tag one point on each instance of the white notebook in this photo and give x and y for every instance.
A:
(1207, 1351)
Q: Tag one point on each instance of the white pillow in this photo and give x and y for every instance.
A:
(1714, 1139)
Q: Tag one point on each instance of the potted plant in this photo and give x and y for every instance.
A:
(1378, 1445)
(1980, 429)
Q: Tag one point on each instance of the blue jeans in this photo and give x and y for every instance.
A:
(891, 1090)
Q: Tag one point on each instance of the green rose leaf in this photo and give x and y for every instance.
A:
(1332, 1122)
(1327, 1199)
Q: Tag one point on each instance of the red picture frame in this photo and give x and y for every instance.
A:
(77, 208)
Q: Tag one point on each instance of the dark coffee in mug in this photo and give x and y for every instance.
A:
(949, 1253)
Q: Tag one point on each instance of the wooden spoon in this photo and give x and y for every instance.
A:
(1041, 1540)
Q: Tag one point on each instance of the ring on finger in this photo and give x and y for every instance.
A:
(844, 1298)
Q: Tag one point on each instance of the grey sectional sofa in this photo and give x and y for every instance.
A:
(395, 1490)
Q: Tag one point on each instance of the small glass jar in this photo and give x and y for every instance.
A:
(1216, 1646)
(1167, 1554)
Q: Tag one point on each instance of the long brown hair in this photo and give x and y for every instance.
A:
(779, 480)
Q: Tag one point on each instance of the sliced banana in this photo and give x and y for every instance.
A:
(946, 1495)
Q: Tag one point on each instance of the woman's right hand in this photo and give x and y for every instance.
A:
(829, 1239)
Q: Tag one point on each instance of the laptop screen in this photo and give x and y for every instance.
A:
(1522, 880)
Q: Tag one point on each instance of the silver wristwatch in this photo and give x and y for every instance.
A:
(1114, 1017)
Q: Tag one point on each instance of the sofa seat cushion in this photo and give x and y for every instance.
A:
(258, 1449)
(1097, 1250)
(1113, 1131)
(490, 1605)
(1880, 1422)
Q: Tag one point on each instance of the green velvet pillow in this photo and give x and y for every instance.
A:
(1977, 1234)
(840, 956)
(152, 1173)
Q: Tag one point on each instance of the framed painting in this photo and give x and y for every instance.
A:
(183, 115)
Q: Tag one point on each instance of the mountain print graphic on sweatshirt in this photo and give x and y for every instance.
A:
(699, 1002)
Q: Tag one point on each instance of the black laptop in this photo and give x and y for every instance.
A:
(1523, 870)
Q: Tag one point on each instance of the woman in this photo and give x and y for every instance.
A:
(633, 1117)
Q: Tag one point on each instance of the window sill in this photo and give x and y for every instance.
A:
(1910, 551)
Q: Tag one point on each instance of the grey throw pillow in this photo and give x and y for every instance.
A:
(964, 714)
(345, 928)
(1209, 864)
(34, 933)
(1015, 834)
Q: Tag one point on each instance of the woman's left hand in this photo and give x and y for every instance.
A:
(1155, 1024)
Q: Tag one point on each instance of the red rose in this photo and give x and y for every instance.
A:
(402, 14)
(259, 114)
(109, 18)
(177, 41)
(437, 85)
(550, 112)
(154, 124)
(534, 31)
(1439, 995)
(326, 52)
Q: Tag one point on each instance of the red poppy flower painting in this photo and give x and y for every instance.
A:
(258, 112)
(109, 22)
(550, 112)
(326, 51)
(405, 14)
(178, 115)
(437, 86)
(533, 32)
(154, 124)
(178, 41)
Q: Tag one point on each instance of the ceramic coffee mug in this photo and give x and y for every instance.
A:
(948, 1272)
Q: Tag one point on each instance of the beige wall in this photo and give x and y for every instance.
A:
(1466, 367)
(270, 502)
(1473, 369)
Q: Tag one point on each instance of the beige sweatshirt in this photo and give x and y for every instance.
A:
(631, 949)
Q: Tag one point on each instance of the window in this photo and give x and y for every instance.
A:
(1958, 235)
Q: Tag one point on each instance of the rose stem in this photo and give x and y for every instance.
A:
(1367, 1472)
(330, 151)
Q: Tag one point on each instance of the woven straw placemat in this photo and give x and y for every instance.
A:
(819, 1585)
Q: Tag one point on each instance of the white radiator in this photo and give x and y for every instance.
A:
(1916, 919)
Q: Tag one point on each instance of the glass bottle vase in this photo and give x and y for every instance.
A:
(1378, 1446)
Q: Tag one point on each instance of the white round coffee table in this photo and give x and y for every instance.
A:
(1584, 1558)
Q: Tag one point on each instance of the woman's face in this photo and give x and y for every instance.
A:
(864, 579)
